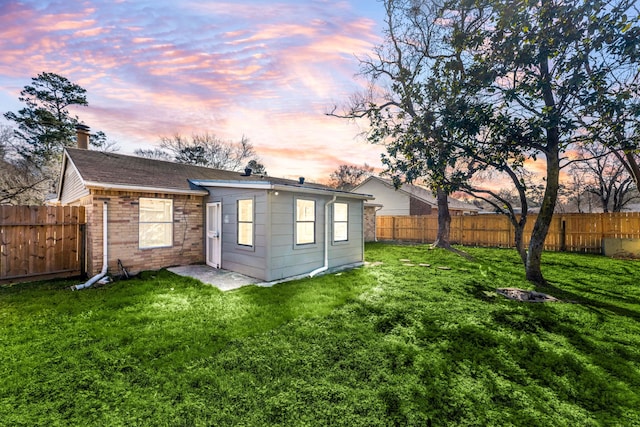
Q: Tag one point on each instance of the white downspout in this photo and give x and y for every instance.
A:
(105, 259)
(325, 267)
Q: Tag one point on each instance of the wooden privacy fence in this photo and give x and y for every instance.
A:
(38, 242)
(568, 232)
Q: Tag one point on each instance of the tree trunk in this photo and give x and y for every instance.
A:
(444, 220)
(541, 226)
(552, 153)
(629, 161)
(518, 228)
(633, 165)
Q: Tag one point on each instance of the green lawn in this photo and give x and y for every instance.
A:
(382, 345)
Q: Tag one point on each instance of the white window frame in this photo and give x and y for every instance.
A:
(339, 223)
(302, 220)
(146, 225)
(241, 221)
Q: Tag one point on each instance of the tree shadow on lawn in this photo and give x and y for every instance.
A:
(539, 347)
(602, 341)
(594, 304)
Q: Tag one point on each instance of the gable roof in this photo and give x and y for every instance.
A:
(102, 170)
(422, 194)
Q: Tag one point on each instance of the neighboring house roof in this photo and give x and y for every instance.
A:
(631, 207)
(115, 171)
(422, 194)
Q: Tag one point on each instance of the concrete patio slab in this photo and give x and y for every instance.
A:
(222, 279)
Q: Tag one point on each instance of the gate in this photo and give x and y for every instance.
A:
(41, 242)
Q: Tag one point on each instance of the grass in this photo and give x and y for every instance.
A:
(383, 345)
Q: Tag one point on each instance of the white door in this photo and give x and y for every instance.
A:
(214, 232)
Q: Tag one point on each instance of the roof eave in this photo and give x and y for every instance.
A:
(262, 185)
(257, 185)
(311, 190)
(62, 168)
(143, 189)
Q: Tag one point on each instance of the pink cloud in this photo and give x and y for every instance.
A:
(157, 68)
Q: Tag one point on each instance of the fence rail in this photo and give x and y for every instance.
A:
(568, 232)
(38, 242)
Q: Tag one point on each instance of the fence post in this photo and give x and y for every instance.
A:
(83, 249)
(393, 228)
(563, 235)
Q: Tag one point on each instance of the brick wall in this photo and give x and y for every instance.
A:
(418, 207)
(370, 223)
(188, 232)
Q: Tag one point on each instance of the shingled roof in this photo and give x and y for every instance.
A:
(425, 195)
(112, 170)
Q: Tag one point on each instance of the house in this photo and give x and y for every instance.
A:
(408, 199)
(162, 214)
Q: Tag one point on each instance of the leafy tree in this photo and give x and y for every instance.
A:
(540, 56)
(495, 84)
(417, 78)
(100, 142)
(45, 125)
(612, 67)
(256, 167)
(347, 177)
(203, 150)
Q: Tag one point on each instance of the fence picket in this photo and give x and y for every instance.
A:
(577, 232)
(40, 241)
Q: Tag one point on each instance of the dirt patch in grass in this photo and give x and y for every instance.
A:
(525, 296)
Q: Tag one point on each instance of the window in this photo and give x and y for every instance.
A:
(305, 221)
(245, 222)
(340, 222)
(156, 223)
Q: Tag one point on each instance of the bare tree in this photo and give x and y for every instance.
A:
(203, 150)
(605, 175)
(514, 203)
(346, 177)
(20, 181)
(153, 153)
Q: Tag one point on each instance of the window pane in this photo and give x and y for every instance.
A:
(245, 210)
(155, 210)
(305, 233)
(245, 233)
(156, 223)
(305, 210)
(245, 222)
(155, 235)
(340, 212)
(340, 231)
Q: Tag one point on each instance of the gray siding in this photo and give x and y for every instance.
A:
(351, 251)
(275, 255)
(250, 261)
(288, 259)
(72, 188)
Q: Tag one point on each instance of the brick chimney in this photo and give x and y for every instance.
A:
(82, 132)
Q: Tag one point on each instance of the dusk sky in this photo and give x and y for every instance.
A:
(268, 70)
